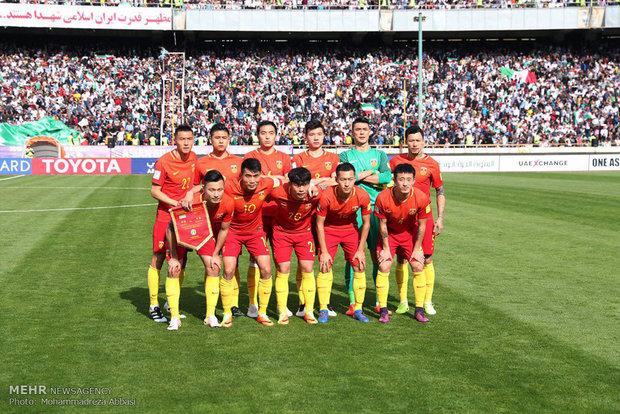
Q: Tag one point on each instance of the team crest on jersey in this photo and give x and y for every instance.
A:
(328, 165)
(308, 206)
(373, 162)
(412, 211)
(423, 170)
(161, 244)
(261, 195)
(279, 164)
(354, 209)
(233, 168)
(219, 216)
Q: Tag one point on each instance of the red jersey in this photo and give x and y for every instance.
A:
(221, 213)
(401, 216)
(276, 163)
(320, 167)
(343, 214)
(175, 177)
(292, 216)
(248, 218)
(427, 172)
(229, 166)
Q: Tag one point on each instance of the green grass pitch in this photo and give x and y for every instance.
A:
(527, 296)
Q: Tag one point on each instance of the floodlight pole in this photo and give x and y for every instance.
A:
(419, 18)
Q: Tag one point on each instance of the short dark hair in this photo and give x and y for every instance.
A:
(252, 165)
(345, 166)
(299, 176)
(360, 120)
(183, 128)
(212, 176)
(313, 124)
(218, 127)
(403, 169)
(414, 129)
(263, 123)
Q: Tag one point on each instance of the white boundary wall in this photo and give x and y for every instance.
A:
(529, 162)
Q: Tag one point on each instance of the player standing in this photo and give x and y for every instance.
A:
(220, 208)
(228, 165)
(427, 175)
(402, 211)
(249, 192)
(275, 164)
(336, 224)
(292, 229)
(172, 179)
(373, 174)
(322, 166)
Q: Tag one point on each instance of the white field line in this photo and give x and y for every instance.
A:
(76, 188)
(75, 208)
(10, 178)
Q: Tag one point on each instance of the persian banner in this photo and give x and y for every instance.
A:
(85, 17)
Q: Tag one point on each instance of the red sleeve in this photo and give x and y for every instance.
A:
(296, 162)
(229, 210)
(379, 211)
(270, 184)
(436, 179)
(424, 205)
(392, 163)
(286, 164)
(323, 206)
(159, 175)
(364, 199)
(335, 159)
(319, 195)
(197, 173)
(274, 195)
(228, 187)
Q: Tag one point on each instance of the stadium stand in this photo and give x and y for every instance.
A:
(501, 94)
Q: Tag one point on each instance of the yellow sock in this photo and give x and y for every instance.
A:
(212, 291)
(282, 291)
(153, 281)
(236, 281)
(173, 291)
(402, 279)
(383, 287)
(181, 278)
(226, 290)
(253, 276)
(300, 285)
(429, 272)
(309, 286)
(359, 289)
(419, 289)
(264, 292)
(323, 284)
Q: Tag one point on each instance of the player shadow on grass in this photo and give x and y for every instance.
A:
(139, 297)
(193, 300)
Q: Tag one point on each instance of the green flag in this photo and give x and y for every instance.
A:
(506, 72)
(49, 127)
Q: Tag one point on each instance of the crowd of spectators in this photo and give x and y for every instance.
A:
(492, 94)
(329, 4)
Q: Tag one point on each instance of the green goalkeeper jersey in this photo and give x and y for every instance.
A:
(373, 159)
